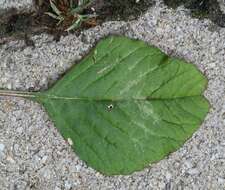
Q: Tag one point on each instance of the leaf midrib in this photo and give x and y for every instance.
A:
(116, 99)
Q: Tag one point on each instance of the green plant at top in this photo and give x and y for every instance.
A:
(70, 14)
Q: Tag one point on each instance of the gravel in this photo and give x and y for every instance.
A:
(33, 155)
(19, 4)
(222, 5)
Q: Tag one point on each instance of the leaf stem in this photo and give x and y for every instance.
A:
(14, 93)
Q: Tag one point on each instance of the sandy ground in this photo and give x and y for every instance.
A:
(33, 155)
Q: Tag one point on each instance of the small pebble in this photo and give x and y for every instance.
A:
(2, 147)
(193, 171)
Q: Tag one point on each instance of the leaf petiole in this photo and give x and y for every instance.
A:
(14, 93)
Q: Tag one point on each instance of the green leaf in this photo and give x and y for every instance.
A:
(127, 105)
(54, 8)
(54, 16)
(75, 25)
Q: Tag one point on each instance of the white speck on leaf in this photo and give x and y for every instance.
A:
(69, 140)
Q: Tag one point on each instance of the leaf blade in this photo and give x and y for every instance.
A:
(127, 105)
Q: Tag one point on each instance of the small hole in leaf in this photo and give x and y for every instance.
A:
(110, 107)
